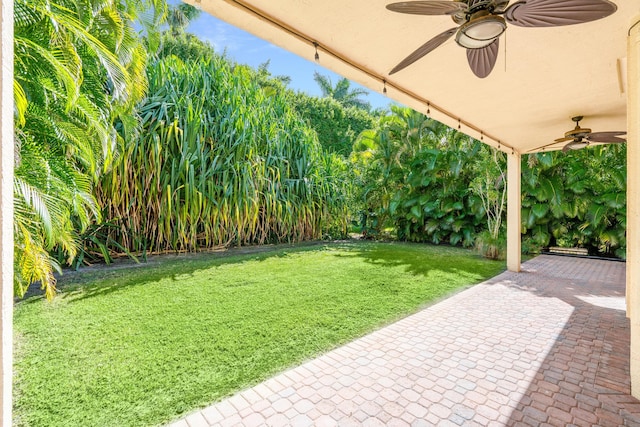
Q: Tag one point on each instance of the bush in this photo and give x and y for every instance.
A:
(491, 247)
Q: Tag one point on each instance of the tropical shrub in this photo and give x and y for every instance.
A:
(430, 183)
(576, 199)
(491, 246)
(415, 175)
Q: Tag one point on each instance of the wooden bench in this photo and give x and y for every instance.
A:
(568, 251)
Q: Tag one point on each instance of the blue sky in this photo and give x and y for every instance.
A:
(245, 48)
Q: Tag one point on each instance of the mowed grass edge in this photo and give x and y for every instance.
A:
(141, 346)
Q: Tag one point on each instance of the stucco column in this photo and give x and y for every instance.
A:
(633, 200)
(514, 202)
(6, 209)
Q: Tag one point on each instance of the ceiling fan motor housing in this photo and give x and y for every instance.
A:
(490, 5)
(474, 6)
(578, 133)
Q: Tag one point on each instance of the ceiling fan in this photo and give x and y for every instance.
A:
(482, 22)
(582, 137)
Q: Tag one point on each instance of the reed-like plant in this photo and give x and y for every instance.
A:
(220, 161)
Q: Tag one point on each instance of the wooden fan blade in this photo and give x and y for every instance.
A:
(542, 147)
(563, 139)
(553, 13)
(424, 49)
(429, 7)
(611, 137)
(483, 60)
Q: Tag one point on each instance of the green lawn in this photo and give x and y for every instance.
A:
(142, 345)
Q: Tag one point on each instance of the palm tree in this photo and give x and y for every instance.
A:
(342, 91)
(79, 70)
(265, 75)
(179, 17)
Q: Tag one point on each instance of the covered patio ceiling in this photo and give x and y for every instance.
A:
(542, 78)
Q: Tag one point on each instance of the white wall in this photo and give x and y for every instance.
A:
(633, 200)
(6, 209)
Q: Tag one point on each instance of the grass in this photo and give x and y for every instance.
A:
(142, 345)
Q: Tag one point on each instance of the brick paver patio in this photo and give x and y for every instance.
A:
(547, 346)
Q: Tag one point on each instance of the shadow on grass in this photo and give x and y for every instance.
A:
(424, 259)
(103, 279)
(417, 259)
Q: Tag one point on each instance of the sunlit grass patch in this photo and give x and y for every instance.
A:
(142, 345)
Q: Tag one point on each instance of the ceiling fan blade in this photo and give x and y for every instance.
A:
(483, 60)
(553, 13)
(428, 7)
(543, 147)
(606, 137)
(563, 139)
(424, 49)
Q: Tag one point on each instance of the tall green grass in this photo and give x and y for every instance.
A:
(219, 161)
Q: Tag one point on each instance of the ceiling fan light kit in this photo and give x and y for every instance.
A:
(482, 22)
(577, 145)
(481, 31)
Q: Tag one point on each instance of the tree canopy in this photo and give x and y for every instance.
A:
(79, 71)
(337, 126)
